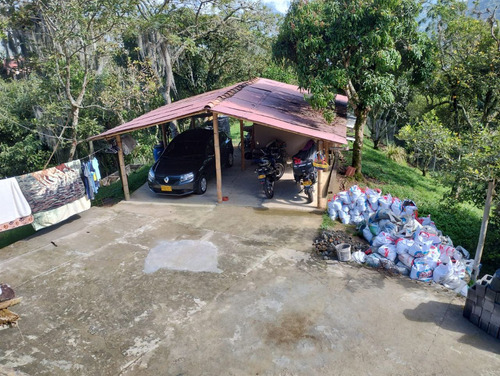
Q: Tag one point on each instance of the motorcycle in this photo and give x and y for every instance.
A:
(276, 150)
(304, 172)
(268, 173)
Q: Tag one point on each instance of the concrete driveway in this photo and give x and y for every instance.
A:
(109, 294)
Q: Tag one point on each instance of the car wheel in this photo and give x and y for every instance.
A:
(230, 160)
(201, 185)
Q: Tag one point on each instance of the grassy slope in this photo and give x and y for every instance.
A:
(461, 222)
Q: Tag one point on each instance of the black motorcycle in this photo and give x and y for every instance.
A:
(275, 150)
(304, 172)
(268, 173)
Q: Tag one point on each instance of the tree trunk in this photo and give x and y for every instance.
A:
(359, 127)
(375, 143)
(74, 126)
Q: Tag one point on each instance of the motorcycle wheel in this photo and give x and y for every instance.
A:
(280, 170)
(309, 194)
(269, 188)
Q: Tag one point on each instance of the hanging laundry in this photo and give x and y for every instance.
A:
(14, 209)
(54, 194)
(88, 181)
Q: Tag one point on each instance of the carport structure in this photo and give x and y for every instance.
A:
(263, 102)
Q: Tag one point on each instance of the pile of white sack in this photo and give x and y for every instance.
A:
(400, 240)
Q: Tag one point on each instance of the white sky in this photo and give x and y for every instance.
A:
(280, 5)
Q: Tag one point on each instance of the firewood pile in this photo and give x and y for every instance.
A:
(7, 300)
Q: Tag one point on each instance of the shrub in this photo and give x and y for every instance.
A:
(396, 153)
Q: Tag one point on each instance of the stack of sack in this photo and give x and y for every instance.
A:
(400, 240)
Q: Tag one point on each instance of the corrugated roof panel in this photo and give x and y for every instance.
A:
(267, 102)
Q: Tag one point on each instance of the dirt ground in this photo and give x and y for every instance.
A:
(108, 293)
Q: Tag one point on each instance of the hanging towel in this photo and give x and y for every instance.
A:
(54, 187)
(14, 209)
(54, 216)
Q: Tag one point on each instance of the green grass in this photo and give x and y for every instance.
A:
(113, 193)
(461, 221)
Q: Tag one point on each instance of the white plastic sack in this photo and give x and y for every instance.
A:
(388, 251)
(367, 234)
(403, 244)
(418, 250)
(383, 239)
(344, 197)
(344, 217)
(442, 273)
(332, 214)
(385, 202)
(355, 192)
(396, 206)
(359, 257)
(356, 219)
(446, 251)
(421, 271)
(337, 204)
(406, 259)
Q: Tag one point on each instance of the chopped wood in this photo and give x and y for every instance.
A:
(9, 303)
(8, 317)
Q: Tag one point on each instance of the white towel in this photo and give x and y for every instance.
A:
(13, 204)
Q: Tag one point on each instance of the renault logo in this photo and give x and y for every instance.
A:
(166, 180)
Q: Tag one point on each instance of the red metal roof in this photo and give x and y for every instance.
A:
(263, 101)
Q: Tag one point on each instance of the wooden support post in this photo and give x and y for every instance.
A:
(91, 147)
(192, 124)
(242, 137)
(218, 171)
(482, 232)
(164, 135)
(123, 172)
(320, 178)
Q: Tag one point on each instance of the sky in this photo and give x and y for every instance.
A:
(280, 5)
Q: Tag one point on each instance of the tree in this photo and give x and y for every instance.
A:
(429, 140)
(77, 36)
(357, 47)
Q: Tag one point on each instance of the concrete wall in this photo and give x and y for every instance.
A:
(294, 142)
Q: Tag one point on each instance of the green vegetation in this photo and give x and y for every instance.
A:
(113, 193)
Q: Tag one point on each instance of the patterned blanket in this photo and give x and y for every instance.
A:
(54, 187)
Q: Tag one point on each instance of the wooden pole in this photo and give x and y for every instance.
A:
(482, 233)
(164, 135)
(91, 147)
(218, 171)
(319, 194)
(123, 172)
(242, 146)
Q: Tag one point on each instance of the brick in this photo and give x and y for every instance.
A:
(469, 306)
(477, 310)
(480, 290)
(486, 315)
(488, 305)
(486, 279)
(495, 318)
(483, 324)
(493, 330)
(474, 319)
(490, 295)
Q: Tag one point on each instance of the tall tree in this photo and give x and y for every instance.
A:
(77, 37)
(358, 47)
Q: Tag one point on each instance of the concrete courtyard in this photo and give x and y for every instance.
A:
(171, 288)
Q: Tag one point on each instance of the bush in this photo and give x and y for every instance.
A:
(396, 153)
